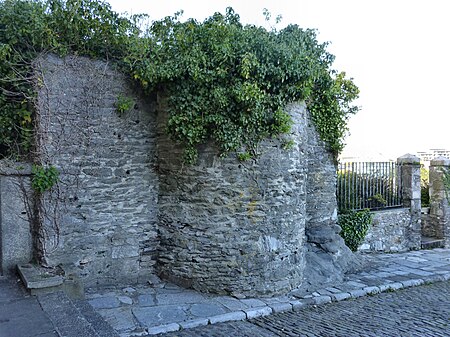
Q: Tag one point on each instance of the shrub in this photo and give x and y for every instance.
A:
(355, 225)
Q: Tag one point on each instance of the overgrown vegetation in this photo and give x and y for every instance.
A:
(355, 225)
(224, 81)
(123, 104)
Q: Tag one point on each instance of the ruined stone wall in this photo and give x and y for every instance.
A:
(100, 221)
(233, 227)
(327, 256)
(388, 232)
(126, 206)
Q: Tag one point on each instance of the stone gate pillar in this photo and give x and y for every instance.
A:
(15, 214)
(410, 177)
(439, 205)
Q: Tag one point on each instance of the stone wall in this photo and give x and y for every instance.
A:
(101, 220)
(126, 207)
(387, 232)
(327, 256)
(429, 228)
(398, 230)
(234, 227)
(16, 246)
(439, 217)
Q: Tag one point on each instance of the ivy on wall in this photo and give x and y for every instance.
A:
(225, 81)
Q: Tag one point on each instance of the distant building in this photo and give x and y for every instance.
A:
(427, 156)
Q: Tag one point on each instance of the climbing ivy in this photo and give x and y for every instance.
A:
(355, 225)
(43, 178)
(224, 81)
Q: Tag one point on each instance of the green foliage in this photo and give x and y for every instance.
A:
(225, 81)
(288, 144)
(378, 198)
(43, 178)
(244, 156)
(355, 225)
(123, 104)
(424, 187)
(30, 27)
(231, 83)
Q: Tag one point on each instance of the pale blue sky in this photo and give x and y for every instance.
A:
(397, 51)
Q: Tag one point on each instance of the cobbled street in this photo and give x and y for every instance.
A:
(419, 311)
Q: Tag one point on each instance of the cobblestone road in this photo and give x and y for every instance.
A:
(419, 311)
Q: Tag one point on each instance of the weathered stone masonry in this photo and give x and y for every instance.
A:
(126, 207)
(399, 229)
(107, 201)
(235, 227)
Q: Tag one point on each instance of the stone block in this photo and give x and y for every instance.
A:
(297, 305)
(318, 300)
(337, 297)
(156, 330)
(193, 323)
(357, 293)
(231, 316)
(35, 277)
(280, 307)
(257, 312)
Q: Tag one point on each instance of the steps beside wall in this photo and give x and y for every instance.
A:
(430, 243)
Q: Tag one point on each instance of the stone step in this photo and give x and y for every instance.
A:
(40, 280)
(431, 243)
(74, 318)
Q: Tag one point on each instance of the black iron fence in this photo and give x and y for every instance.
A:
(373, 185)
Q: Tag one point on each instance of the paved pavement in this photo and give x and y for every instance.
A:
(46, 315)
(420, 311)
(21, 314)
(163, 307)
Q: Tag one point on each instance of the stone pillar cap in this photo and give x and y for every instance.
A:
(408, 159)
(440, 161)
(9, 167)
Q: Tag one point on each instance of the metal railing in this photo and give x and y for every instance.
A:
(373, 185)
